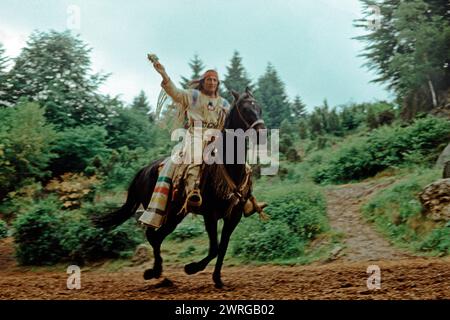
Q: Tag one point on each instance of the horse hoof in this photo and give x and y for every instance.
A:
(151, 274)
(218, 284)
(191, 268)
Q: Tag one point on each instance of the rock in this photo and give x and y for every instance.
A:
(443, 157)
(141, 255)
(446, 173)
(435, 198)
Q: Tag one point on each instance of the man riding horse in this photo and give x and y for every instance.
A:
(199, 104)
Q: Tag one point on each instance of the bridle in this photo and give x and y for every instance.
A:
(259, 121)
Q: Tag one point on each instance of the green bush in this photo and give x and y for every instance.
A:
(45, 235)
(25, 145)
(77, 147)
(37, 235)
(265, 242)
(385, 147)
(298, 215)
(437, 240)
(188, 229)
(3, 229)
(82, 241)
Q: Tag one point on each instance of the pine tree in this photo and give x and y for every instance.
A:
(348, 119)
(140, 103)
(334, 124)
(409, 52)
(272, 98)
(197, 68)
(54, 70)
(236, 77)
(315, 124)
(426, 38)
(298, 108)
(3, 76)
(3, 60)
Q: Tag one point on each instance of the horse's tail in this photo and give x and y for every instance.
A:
(139, 192)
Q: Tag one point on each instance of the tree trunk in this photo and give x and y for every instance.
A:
(433, 93)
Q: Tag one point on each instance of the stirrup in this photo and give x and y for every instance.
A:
(193, 200)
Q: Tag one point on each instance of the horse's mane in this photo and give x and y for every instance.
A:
(216, 171)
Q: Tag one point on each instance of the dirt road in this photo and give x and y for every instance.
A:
(402, 276)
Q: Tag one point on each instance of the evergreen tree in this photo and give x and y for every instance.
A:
(371, 119)
(272, 98)
(128, 128)
(334, 125)
(298, 108)
(348, 119)
(197, 68)
(409, 51)
(54, 70)
(3, 77)
(315, 123)
(140, 103)
(426, 39)
(25, 145)
(236, 77)
(303, 129)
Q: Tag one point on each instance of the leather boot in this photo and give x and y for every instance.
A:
(251, 206)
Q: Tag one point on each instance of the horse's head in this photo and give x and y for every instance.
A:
(245, 113)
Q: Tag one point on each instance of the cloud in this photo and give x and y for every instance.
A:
(13, 40)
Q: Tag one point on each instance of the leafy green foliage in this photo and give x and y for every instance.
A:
(386, 147)
(77, 147)
(37, 235)
(25, 145)
(3, 229)
(297, 217)
(397, 211)
(438, 240)
(410, 50)
(188, 229)
(46, 235)
(131, 128)
(53, 69)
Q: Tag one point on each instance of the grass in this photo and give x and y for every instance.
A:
(397, 213)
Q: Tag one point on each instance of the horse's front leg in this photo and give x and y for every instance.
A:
(228, 228)
(211, 228)
(155, 238)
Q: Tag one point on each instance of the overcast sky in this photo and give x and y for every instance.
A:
(308, 41)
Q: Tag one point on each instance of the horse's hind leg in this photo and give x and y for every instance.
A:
(155, 238)
(211, 228)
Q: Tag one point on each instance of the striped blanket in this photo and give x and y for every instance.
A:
(155, 213)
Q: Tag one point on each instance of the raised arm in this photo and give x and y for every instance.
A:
(178, 95)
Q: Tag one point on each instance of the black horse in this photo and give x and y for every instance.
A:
(244, 114)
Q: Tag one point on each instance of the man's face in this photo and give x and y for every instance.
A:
(210, 84)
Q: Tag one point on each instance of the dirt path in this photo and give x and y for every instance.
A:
(401, 279)
(402, 276)
(362, 241)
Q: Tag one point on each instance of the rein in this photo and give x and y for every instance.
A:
(225, 187)
(260, 121)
